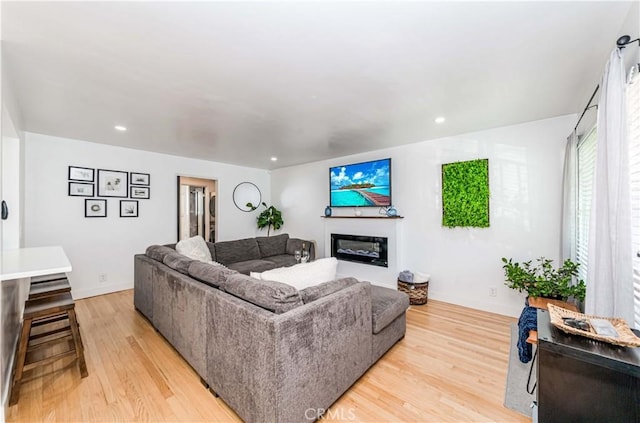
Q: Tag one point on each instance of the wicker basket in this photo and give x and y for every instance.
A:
(417, 292)
(626, 337)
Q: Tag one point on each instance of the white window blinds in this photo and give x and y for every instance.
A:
(633, 134)
(586, 168)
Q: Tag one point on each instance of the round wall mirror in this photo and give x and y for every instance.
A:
(246, 192)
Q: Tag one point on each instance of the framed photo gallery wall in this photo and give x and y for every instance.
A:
(90, 183)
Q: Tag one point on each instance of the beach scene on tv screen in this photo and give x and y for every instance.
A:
(361, 184)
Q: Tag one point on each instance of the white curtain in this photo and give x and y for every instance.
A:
(569, 183)
(609, 270)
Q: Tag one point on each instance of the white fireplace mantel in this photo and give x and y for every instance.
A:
(380, 227)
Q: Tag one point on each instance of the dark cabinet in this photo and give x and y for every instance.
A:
(580, 380)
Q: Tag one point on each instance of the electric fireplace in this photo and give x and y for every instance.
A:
(360, 249)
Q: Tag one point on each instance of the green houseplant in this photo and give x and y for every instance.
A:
(543, 280)
(269, 218)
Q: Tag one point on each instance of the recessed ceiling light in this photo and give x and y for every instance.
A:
(120, 128)
(440, 119)
(274, 159)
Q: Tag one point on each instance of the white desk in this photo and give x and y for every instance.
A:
(29, 262)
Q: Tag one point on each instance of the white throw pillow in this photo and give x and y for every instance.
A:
(255, 275)
(195, 248)
(304, 275)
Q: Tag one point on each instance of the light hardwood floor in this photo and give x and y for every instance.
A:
(450, 367)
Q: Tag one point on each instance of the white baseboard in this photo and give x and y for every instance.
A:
(505, 308)
(100, 290)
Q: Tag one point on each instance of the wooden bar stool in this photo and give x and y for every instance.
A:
(47, 285)
(47, 278)
(42, 311)
(49, 288)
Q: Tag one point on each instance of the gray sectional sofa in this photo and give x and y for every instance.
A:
(271, 352)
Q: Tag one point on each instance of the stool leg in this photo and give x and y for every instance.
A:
(73, 322)
(21, 358)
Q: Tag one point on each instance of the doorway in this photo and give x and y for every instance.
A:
(197, 208)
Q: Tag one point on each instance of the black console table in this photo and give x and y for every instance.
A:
(580, 380)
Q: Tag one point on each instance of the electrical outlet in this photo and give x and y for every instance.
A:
(102, 278)
(493, 291)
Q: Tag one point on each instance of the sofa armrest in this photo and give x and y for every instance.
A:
(143, 284)
(294, 244)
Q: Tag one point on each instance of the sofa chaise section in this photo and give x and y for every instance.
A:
(284, 367)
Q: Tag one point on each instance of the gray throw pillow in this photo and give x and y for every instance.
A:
(210, 274)
(273, 296)
(315, 292)
(157, 252)
(177, 262)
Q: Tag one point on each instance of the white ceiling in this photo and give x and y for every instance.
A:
(240, 82)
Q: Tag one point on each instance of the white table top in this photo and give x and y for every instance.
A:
(29, 262)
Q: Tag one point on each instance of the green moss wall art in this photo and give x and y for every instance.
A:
(465, 194)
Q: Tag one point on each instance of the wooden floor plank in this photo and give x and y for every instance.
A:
(450, 367)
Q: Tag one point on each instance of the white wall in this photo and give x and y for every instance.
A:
(98, 246)
(525, 175)
(12, 180)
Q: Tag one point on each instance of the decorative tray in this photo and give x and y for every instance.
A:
(625, 338)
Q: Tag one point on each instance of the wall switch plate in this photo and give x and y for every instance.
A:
(493, 291)
(102, 278)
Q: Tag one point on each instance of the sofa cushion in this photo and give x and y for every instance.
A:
(273, 296)
(252, 266)
(272, 245)
(177, 262)
(157, 252)
(228, 252)
(312, 293)
(304, 275)
(194, 248)
(282, 260)
(210, 274)
(386, 305)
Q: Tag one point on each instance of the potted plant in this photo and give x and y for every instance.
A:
(270, 217)
(542, 280)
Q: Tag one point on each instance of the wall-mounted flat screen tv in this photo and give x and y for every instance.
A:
(365, 184)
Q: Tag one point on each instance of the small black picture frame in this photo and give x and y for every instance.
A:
(139, 178)
(139, 192)
(84, 174)
(95, 207)
(128, 208)
(113, 183)
(81, 189)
